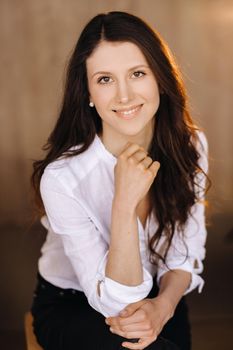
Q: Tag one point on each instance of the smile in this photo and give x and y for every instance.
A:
(126, 113)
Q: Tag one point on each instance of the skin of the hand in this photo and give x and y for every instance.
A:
(144, 320)
(134, 175)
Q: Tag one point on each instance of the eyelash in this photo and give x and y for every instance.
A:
(99, 81)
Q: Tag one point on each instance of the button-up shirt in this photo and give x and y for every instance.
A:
(77, 193)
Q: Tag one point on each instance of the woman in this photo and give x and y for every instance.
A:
(122, 187)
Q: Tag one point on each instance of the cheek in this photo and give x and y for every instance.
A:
(102, 103)
(150, 91)
(102, 97)
(153, 97)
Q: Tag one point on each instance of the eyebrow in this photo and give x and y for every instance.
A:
(133, 68)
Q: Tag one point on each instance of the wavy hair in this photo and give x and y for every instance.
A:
(174, 191)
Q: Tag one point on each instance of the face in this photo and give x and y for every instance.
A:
(123, 89)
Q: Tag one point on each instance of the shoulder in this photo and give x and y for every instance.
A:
(202, 143)
(66, 173)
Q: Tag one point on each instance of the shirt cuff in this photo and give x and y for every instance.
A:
(194, 267)
(115, 296)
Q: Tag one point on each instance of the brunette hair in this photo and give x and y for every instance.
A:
(174, 142)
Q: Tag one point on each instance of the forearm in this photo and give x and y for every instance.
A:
(172, 287)
(124, 259)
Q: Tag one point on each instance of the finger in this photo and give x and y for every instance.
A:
(131, 308)
(132, 335)
(140, 326)
(129, 149)
(131, 314)
(147, 162)
(118, 322)
(139, 155)
(154, 168)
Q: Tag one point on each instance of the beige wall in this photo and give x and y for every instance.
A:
(36, 39)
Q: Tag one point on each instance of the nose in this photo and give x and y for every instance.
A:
(124, 91)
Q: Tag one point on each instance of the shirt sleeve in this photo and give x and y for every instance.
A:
(87, 251)
(188, 253)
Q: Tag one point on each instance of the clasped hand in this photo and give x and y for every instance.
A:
(143, 319)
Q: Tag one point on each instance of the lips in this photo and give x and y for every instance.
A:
(128, 112)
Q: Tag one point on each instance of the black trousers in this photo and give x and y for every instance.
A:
(63, 320)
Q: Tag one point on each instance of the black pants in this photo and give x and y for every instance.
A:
(63, 320)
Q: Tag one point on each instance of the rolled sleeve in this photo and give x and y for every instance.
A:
(115, 296)
(188, 266)
(87, 251)
(187, 253)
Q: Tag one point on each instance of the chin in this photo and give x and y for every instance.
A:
(133, 133)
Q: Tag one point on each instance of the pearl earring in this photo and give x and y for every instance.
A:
(91, 104)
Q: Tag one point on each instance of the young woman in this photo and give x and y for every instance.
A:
(122, 189)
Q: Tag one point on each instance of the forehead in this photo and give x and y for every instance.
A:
(109, 56)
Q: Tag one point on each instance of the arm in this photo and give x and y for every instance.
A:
(87, 248)
(173, 284)
(134, 174)
(124, 260)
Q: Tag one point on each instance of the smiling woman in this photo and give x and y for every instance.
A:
(121, 193)
(122, 87)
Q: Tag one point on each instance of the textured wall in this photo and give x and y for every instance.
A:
(36, 39)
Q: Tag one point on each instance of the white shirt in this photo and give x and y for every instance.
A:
(77, 193)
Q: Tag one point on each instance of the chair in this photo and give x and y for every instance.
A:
(30, 336)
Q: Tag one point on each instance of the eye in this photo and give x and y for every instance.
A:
(138, 74)
(104, 80)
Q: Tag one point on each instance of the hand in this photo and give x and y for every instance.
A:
(134, 175)
(144, 320)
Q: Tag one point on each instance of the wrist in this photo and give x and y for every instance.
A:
(122, 206)
(173, 285)
(167, 305)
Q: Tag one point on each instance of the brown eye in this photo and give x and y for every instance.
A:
(104, 80)
(138, 74)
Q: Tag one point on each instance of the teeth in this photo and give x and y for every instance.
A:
(129, 112)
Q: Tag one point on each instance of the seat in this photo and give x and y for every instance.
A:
(30, 336)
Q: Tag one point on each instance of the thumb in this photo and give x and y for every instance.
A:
(131, 308)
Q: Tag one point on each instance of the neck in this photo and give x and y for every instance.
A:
(115, 142)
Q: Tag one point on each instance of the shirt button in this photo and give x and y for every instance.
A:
(73, 291)
(61, 293)
(42, 286)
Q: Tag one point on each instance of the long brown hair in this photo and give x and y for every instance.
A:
(175, 135)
